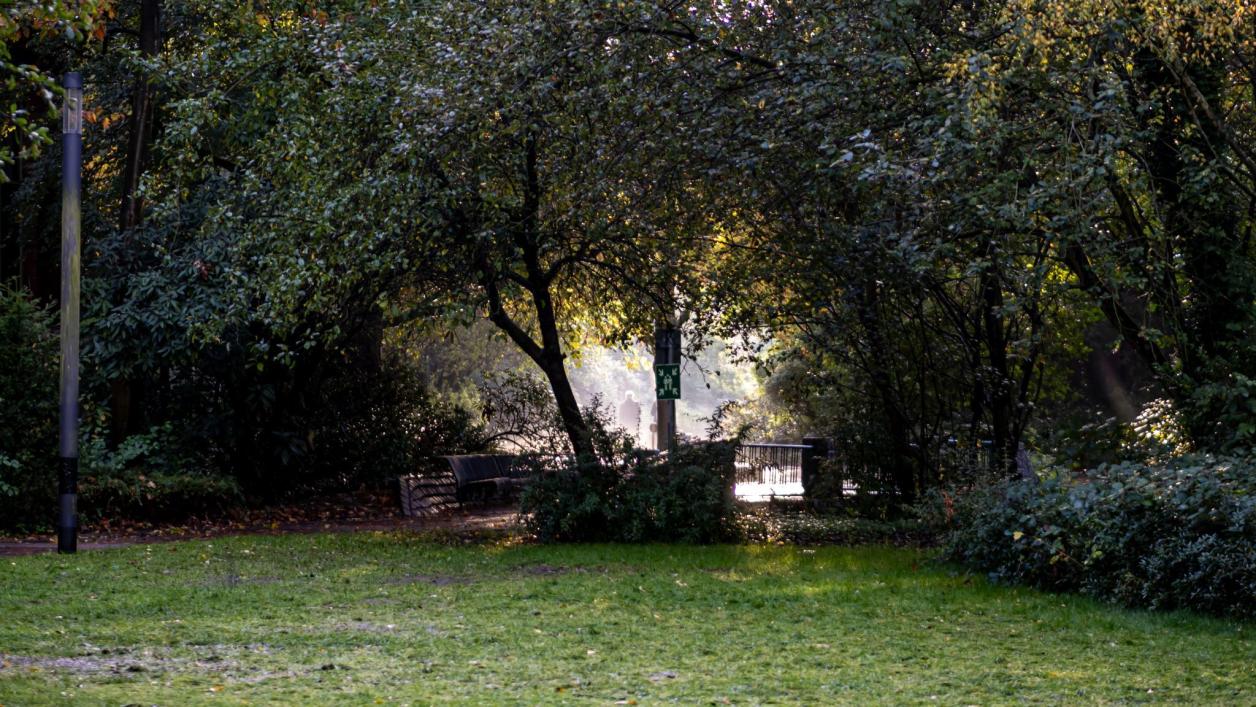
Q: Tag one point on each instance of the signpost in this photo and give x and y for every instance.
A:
(667, 381)
(666, 384)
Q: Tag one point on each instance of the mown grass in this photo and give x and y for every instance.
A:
(386, 618)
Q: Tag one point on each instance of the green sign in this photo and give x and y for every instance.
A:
(667, 381)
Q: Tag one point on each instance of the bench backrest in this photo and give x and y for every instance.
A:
(469, 468)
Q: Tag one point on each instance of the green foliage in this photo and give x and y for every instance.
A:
(687, 499)
(371, 428)
(27, 91)
(150, 476)
(1221, 410)
(1180, 534)
(628, 495)
(28, 409)
(565, 505)
(800, 527)
(918, 269)
(505, 176)
(960, 240)
(279, 410)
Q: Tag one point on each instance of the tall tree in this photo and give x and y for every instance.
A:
(526, 172)
(127, 393)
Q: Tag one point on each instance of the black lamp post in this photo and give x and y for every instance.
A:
(71, 167)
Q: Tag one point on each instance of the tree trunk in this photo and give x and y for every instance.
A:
(548, 357)
(141, 118)
(1002, 410)
(551, 362)
(127, 395)
(903, 467)
(568, 409)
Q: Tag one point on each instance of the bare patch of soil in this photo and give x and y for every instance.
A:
(435, 580)
(85, 664)
(543, 570)
(233, 580)
(367, 627)
(209, 660)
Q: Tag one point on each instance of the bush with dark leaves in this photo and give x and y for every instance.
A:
(1177, 534)
(28, 410)
(630, 495)
(151, 476)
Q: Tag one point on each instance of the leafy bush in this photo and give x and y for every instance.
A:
(370, 427)
(688, 498)
(150, 477)
(565, 505)
(1177, 535)
(147, 476)
(28, 410)
(629, 495)
(774, 525)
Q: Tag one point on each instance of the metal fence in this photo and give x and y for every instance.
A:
(770, 464)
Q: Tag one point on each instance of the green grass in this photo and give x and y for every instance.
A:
(386, 618)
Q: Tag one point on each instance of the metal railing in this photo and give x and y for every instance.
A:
(770, 464)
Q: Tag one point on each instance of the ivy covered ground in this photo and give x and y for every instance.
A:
(394, 618)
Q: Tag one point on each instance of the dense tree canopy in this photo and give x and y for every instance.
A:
(932, 220)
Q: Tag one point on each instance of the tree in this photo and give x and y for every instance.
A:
(1023, 170)
(28, 89)
(524, 172)
(126, 417)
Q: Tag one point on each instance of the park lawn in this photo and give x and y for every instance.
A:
(384, 618)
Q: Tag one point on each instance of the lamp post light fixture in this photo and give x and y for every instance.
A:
(71, 168)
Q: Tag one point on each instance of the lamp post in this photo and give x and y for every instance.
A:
(71, 167)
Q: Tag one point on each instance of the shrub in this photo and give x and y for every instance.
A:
(688, 498)
(28, 410)
(772, 523)
(565, 506)
(150, 477)
(1181, 534)
(147, 477)
(371, 427)
(629, 495)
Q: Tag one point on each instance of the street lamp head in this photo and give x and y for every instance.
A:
(72, 110)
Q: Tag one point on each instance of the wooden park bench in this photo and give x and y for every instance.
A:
(463, 478)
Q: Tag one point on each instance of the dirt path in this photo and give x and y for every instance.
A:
(275, 522)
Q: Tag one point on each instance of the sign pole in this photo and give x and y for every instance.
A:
(71, 168)
(666, 384)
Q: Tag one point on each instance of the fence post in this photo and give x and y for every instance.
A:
(817, 448)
